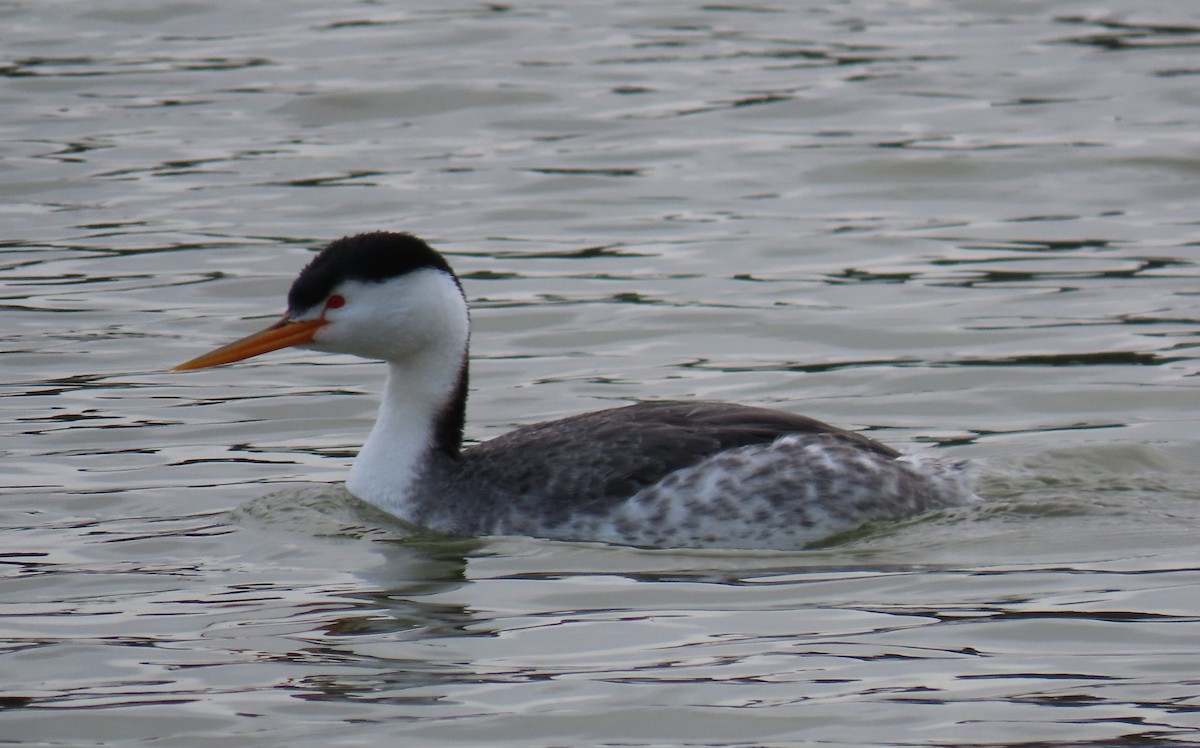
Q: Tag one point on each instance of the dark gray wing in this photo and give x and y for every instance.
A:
(589, 462)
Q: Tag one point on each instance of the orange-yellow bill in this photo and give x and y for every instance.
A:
(286, 332)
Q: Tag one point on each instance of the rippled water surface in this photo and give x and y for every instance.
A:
(962, 226)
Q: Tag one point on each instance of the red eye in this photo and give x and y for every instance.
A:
(335, 302)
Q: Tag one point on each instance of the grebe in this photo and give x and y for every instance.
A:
(658, 474)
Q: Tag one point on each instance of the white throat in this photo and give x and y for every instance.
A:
(418, 324)
(401, 442)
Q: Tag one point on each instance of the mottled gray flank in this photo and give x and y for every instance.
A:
(680, 475)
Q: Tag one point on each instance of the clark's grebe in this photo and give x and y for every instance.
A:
(663, 474)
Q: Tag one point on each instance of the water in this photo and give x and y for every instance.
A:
(961, 226)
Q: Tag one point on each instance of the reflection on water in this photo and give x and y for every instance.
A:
(960, 227)
(936, 624)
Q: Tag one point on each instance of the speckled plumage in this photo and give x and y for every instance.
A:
(678, 474)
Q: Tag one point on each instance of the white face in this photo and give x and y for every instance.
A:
(396, 320)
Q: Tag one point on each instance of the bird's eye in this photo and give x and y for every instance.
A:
(336, 301)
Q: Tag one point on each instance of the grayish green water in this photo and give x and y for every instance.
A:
(961, 226)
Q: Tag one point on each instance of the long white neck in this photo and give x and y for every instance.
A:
(404, 438)
(419, 325)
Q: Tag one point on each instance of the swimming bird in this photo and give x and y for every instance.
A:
(656, 474)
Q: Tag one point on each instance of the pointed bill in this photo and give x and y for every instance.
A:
(284, 333)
